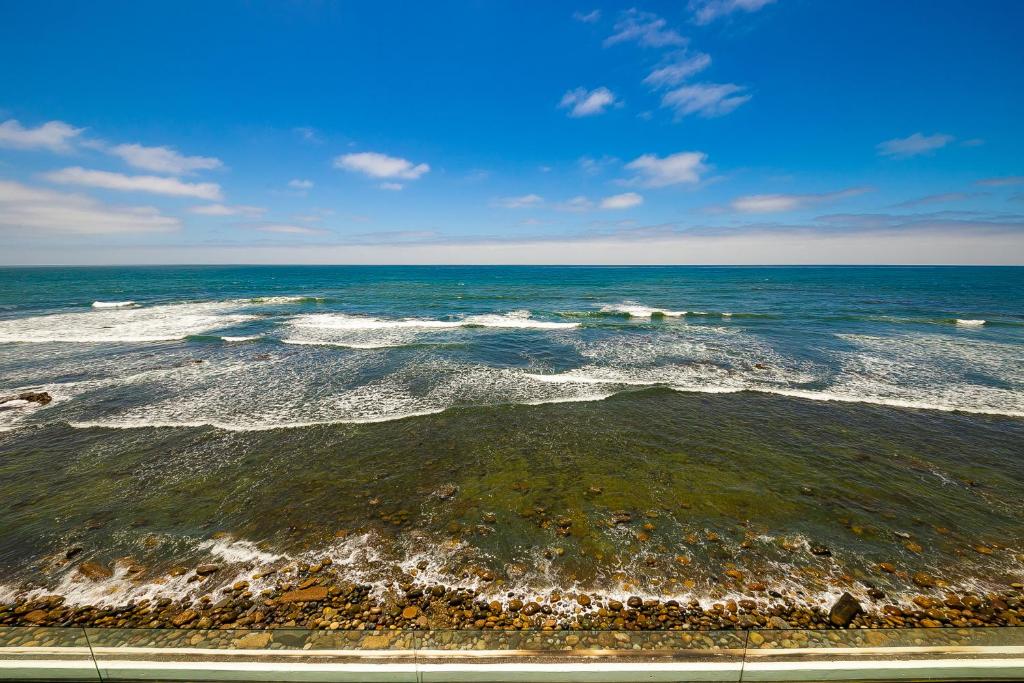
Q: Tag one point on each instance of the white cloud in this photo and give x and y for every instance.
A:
(645, 28)
(76, 175)
(678, 71)
(394, 187)
(286, 229)
(674, 169)
(55, 136)
(162, 159)
(524, 202)
(34, 210)
(1004, 181)
(576, 204)
(222, 210)
(587, 17)
(707, 100)
(626, 200)
(902, 148)
(583, 102)
(378, 165)
(706, 11)
(299, 184)
(776, 203)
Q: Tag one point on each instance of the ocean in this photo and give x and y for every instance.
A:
(657, 431)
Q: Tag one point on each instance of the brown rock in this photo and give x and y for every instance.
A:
(95, 571)
(185, 617)
(207, 569)
(410, 612)
(311, 594)
(36, 616)
(924, 580)
(844, 611)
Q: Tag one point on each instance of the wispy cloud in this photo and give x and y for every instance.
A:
(777, 203)
(914, 145)
(287, 229)
(55, 136)
(377, 165)
(162, 159)
(172, 187)
(223, 210)
(394, 187)
(590, 17)
(582, 102)
(706, 11)
(1003, 181)
(33, 210)
(678, 70)
(576, 204)
(706, 100)
(674, 169)
(626, 200)
(308, 134)
(526, 201)
(644, 28)
(594, 166)
(939, 199)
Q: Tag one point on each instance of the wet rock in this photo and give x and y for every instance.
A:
(924, 580)
(820, 551)
(207, 569)
(887, 567)
(635, 602)
(446, 491)
(95, 571)
(410, 612)
(184, 617)
(72, 552)
(844, 610)
(311, 594)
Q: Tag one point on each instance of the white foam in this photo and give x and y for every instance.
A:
(14, 403)
(516, 319)
(342, 321)
(634, 310)
(969, 323)
(112, 325)
(297, 299)
(112, 304)
(248, 338)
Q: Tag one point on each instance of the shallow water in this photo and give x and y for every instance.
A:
(501, 422)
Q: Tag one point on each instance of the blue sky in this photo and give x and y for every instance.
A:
(711, 131)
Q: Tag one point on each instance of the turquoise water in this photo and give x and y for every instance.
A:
(455, 422)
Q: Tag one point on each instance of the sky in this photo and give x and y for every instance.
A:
(690, 132)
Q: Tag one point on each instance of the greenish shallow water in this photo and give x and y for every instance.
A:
(515, 429)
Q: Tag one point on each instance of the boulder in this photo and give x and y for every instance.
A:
(844, 611)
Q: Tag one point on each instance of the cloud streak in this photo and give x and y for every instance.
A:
(645, 29)
(913, 145)
(706, 11)
(171, 187)
(707, 100)
(778, 203)
(163, 159)
(28, 211)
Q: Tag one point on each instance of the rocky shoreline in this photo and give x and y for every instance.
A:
(318, 597)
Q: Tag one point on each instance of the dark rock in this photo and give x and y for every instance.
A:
(206, 569)
(821, 551)
(844, 611)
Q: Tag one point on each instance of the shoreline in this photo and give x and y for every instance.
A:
(318, 597)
